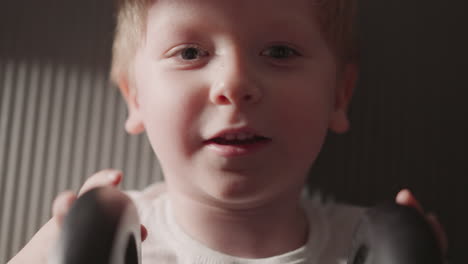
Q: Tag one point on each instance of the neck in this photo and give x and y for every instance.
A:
(259, 231)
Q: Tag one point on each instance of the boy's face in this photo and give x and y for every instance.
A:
(210, 71)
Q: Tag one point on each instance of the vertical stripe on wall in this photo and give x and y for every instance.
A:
(58, 125)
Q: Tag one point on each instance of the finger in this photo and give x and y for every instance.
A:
(144, 233)
(102, 178)
(406, 198)
(62, 205)
(439, 231)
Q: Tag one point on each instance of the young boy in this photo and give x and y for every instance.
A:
(236, 98)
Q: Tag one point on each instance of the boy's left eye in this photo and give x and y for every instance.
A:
(280, 52)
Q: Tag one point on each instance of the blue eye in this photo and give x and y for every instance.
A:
(280, 52)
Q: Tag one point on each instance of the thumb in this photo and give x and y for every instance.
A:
(405, 197)
(62, 205)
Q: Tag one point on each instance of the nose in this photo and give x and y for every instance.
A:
(235, 84)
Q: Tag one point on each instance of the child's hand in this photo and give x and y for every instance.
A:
(405, 197)
(38, 248)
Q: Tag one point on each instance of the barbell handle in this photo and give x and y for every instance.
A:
(102, 227)
(394, 234)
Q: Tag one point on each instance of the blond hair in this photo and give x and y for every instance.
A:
(337, 20)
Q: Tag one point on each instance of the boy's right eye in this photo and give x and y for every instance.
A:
(188, 53)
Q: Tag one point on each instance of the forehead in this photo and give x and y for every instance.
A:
(245, 15)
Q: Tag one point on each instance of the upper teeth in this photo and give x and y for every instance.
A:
(238, 136)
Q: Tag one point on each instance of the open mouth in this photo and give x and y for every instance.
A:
(238, 141)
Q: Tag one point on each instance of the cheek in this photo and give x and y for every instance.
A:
(305, 111)
(306, 127)
(305, 97)
(170, 107)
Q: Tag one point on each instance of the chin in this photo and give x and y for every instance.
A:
(243, 194)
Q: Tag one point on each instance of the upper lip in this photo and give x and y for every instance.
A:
(224, 132)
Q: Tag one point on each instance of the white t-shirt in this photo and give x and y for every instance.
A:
(332, 224)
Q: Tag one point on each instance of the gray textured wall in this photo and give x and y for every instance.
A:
(59, 124)
(60, 120)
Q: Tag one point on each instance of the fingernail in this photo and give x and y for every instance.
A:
(407, 192)
(113, 176)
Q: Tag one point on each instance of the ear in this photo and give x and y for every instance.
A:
(339, 122)
(134, 123)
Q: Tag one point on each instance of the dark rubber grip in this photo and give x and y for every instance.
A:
(102, 227)
(394, 234)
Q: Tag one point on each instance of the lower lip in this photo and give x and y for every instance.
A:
(237, 150)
